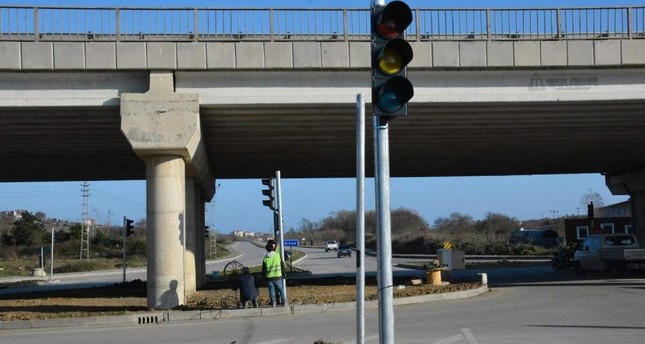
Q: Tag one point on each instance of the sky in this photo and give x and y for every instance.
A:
(238, 203)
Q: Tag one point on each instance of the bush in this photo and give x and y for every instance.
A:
(84, 265)
(8, 253)
(137, 247)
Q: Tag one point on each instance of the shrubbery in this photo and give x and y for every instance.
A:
(412, 235)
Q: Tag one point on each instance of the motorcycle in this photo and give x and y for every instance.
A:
(563, 260)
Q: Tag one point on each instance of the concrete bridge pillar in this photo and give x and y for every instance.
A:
(200, 240)
(190, 255)
(638, 215)
(163, 128)
(632, 184)
(166, 230)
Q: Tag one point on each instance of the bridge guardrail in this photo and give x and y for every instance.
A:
(23, 23)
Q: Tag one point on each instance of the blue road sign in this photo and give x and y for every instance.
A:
(291, 242)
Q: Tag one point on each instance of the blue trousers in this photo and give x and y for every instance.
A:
(276, 294)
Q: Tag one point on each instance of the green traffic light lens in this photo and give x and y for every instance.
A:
(389, 102)
(394, 94)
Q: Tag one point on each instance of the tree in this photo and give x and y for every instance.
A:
(456, 222)
(28, 231)
(496, 225)
(305, 225)
(407, 221)
(75, 231)
(40, 216)
(592, 196)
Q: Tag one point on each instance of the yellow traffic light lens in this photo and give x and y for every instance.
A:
(391, 63)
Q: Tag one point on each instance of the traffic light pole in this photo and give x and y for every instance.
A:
(280, 231)
(125, 229)
(360, 219)
(384, 247)
(391, 91)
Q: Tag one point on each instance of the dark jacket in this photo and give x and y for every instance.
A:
(246, 285)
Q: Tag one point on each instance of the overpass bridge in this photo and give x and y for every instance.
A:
(181, 97)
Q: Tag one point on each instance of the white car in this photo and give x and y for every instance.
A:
(331, 245)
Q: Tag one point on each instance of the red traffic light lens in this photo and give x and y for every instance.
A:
(393, 20)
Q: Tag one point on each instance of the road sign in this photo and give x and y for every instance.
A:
(290, 243)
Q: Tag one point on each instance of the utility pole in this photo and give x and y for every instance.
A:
(85, 222)
(553, 212)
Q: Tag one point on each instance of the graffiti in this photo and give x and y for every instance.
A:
(563, 82)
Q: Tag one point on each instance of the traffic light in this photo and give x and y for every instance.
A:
(590, 213)
(391, 90)
(270, 193)
(128, 226)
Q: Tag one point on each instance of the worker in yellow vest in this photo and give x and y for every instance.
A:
(273, 272)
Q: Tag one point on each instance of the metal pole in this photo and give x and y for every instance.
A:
(360, 218)
(280, 231)
(124, 258)
(51, 258)
(384, 248)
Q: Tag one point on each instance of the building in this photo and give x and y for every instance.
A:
(243, 234)
(615, 218)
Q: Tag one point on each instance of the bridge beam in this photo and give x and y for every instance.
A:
(632, 184)
(163, 128)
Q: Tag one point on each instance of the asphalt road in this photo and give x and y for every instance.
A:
(318, 262)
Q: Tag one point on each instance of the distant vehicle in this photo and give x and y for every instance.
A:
(344, 251)
(609, 252)
(331, 245)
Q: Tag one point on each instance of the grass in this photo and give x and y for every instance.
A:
(24, 265)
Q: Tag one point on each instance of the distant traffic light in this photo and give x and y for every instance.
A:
(270, 193)
(128, 226)
(391, 90)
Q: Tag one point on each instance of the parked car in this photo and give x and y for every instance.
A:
(344, 251)
(331, 245)
(609, 252)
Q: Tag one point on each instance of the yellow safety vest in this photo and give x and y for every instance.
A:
(273, 266)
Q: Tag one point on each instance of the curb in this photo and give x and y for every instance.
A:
(157, 317)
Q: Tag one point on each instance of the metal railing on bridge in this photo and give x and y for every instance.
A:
(300, 24)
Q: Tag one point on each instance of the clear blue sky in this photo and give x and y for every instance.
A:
(237, 204)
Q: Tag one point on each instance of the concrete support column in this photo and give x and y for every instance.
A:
(163, 128)
(165, 176)
(632, 184)
(200, 240)
(189, 252)
(638, 215)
